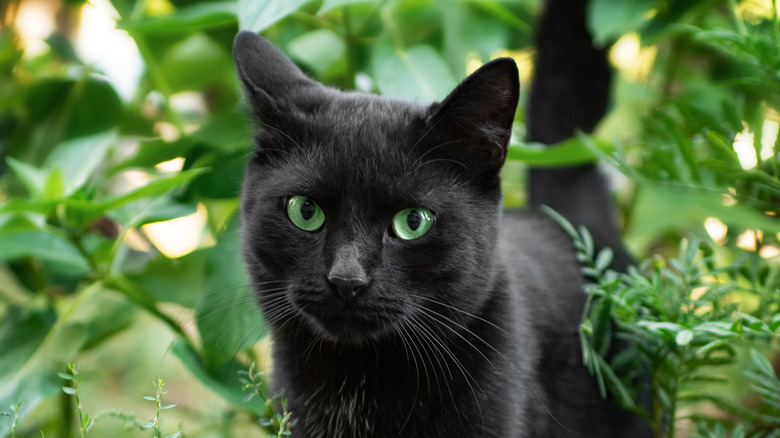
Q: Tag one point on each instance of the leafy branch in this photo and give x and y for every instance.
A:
(676, 324)
(154, 424)
(278, 423)
(72, 376)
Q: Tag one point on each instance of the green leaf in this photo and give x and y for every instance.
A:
(197, 16)
(174, 280)
(104, 316)
(504, 14)
(150, 398)
(45, 244)
(661, 326)
(152, 152)
(151, 209)
(318, 49)
(465, 32)
(571, 152)
(761, 363)
(603, 259)
(78, 159)
(662, 208)
(229, 131)
(223, 381)
(96, 108)
(328, 5)
(195, 63)
(37, 206)
(34, 372)
(227, 314)
(54, 188)
(33, 178)
(683, 337)
(722, 329)
(154, 188)
(418, 73)
(223, 180)
(257, 15)
(68, 390)
(609, 19)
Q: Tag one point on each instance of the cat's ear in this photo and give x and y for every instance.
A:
(474, 123)
(269, 77)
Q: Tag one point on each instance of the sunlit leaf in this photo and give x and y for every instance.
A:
(45, 244)
(609, 19)
(691, 207)
(227, 314)
(77, 159)
(33, 178)
(256, 15)
(318, 49)
(178, 280)
(34, 376)
(156, 187)
(417, 73)
(196, 16)
(328, 5)
(55, 187)
(566, 153)
(223, 381)
(195, 63)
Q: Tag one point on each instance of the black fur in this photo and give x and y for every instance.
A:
(570, 94)
(468, 331)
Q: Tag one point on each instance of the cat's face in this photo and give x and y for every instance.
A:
(363, 215)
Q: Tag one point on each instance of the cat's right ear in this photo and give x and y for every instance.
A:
(475, 120)
(270, 78)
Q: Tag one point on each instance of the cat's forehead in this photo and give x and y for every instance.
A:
(352, 129)
(363, 145)
(355, 116)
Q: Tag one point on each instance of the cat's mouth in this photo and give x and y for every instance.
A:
(350, 324)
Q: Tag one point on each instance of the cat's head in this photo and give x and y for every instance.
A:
(362, 214)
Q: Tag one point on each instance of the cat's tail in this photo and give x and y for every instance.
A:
(570, 93)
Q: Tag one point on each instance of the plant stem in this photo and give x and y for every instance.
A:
(737, 19)
(140, 297)
(16, 417)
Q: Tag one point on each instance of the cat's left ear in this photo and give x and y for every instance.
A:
(476, 118)
(270, 78)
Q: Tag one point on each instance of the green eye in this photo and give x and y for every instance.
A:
(304, 213)
(412, 223)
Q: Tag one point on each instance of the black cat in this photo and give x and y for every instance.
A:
(402, 300)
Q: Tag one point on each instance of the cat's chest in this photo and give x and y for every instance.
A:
(349, 411)
(393, 402)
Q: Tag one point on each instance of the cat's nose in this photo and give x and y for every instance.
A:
(347, 289)
(347, 275)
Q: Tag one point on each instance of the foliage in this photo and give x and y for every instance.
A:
(85, 422)
(73, 377)
(278, 423)
(676, 331)
(85, 169)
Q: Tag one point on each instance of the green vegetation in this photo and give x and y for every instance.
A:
(93, 165)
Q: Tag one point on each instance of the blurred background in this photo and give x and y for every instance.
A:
(123, 139)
